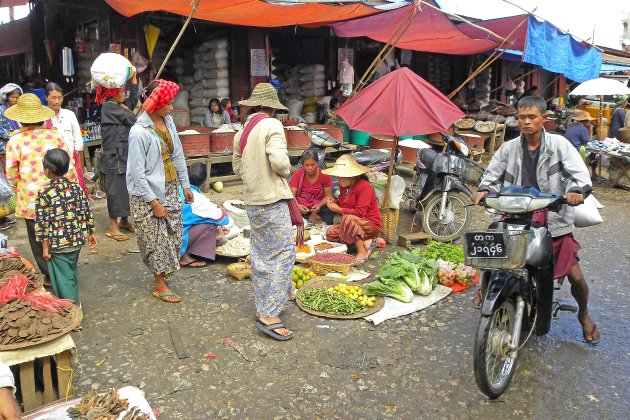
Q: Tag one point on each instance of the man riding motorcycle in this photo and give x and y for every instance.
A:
(549, 163)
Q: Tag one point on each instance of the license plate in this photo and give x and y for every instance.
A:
(485, 245)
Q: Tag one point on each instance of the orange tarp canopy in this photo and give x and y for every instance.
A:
(249, 12)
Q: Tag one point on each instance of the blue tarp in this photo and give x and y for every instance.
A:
(559, 52)
(606, 67)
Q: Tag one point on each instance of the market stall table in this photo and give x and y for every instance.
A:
(37, 362)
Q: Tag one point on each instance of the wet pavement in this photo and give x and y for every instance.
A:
(417, 366)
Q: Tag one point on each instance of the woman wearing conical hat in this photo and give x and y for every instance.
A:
(25, 151)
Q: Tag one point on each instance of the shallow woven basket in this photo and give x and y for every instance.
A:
(390, 224)
(325, 283)
(323, 268)
(624, 135)
(240, 270)
(75, 315)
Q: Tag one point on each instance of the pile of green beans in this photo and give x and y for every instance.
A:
(323, 300)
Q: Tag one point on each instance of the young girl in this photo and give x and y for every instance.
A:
(216, 116)
(63, 222)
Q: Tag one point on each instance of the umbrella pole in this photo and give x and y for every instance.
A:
(179, 36)
(390, 172)
(600, 119)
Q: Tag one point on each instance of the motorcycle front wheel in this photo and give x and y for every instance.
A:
(456, 218)
(493, 365)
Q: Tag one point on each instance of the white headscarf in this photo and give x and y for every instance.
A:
(9, 87)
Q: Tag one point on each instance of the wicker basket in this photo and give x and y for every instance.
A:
(323, 268)
(240, 270)
(624, 135)
(390, 224)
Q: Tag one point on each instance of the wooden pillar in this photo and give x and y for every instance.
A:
(256, 39)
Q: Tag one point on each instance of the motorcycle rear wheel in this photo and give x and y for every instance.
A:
(447, 231)
(493, 367)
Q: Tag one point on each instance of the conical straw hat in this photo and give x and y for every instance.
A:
(346, 167)
(29, 109)
(265, 95)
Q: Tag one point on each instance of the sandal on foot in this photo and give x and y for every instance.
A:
(594, 331)
(204, 264)
(119, 237)
(164, 297)
(129, 229)
(270, 330)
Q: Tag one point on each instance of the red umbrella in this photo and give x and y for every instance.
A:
(400, 104)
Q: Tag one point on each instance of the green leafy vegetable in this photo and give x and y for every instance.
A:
(419, 273)
(443, 251)
(389, 287)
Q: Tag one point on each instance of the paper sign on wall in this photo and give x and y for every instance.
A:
(259, 65)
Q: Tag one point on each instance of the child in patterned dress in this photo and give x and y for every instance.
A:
(63, 223)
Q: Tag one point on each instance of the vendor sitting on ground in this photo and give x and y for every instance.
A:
(203, 223)
(357, 205)
(579, 134)
(312, 189)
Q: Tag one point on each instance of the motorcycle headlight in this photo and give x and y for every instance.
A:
(509, 204)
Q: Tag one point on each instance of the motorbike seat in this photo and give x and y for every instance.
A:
(427, 157)
(372, 156)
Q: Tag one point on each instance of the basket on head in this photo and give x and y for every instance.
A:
(390, 224)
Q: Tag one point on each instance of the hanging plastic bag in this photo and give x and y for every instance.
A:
(587, 214)
(111, 71)
(396, 191)
(7, 197)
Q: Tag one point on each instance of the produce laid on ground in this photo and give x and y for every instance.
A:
(301, 276)
(236, 247)
(104, 405)
(32, 317)
(444, 251)
(450, 273)
(323, 246)
(403, 274)
(353, 292)
(303, 249)
(337, 262)
(330, 302)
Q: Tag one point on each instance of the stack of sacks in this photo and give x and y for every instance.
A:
(313, 80)
(211, 78)
(159, 54)
(309, 111)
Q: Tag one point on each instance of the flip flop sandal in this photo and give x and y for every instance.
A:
(593, 331)
(127, 229)
(162, 297)
(204, 264)
(119, 237)
(269, 329)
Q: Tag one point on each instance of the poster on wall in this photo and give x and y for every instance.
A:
(259, 65)
(345, 53)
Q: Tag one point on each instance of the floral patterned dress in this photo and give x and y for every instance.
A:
(25, 153)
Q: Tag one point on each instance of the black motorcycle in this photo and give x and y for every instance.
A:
(515, 259)
(438, 193)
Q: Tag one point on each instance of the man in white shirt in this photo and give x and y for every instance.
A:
(64, 120)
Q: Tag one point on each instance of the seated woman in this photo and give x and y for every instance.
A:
(216, 116)
(204, 223)
(312, 189)
(360, 217)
